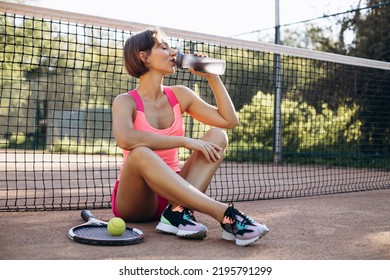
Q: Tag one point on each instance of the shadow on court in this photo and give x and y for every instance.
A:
(352, 226)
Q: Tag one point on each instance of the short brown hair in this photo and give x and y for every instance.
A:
(143, 41)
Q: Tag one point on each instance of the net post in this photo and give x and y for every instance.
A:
(277, 145)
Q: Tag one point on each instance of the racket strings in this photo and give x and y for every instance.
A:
(101, 233)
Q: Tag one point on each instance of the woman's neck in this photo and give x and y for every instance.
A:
(150, 86)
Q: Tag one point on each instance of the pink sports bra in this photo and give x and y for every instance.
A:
(170, 156)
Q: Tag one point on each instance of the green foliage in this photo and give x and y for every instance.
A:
(17, 139)
(256, 122)
(96, 146)
(304, 128)
(20, 141)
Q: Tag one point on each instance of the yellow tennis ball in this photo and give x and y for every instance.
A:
(116, 226)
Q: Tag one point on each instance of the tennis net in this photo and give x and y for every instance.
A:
(311, 123)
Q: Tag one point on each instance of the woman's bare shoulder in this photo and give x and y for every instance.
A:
(179, 88)
(123, 99)
(184, 95)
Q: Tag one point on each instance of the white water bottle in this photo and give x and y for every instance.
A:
(201, 64)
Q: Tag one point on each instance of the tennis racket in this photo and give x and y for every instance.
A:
(94, 232)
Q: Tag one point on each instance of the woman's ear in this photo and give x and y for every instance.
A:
(143, 57)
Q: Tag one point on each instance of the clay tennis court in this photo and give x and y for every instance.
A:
(353, 226)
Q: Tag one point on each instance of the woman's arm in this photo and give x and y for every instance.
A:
(223, 115)
(127, 138)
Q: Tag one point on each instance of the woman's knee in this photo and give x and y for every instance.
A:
(140, 156)
(218, 136)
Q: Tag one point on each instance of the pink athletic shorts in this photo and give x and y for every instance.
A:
(161, 203)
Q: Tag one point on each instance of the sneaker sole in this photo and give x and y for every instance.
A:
(181, 233)
(242, 242)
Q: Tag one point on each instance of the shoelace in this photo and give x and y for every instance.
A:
(189, 213)
(233, 212)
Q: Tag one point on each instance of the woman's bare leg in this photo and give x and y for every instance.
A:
(145, 174)
(197, 170)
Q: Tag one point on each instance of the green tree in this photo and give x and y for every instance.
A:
(372, 40)
(371, 31)
(343, 84)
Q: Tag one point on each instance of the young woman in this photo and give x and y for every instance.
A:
(148, 126)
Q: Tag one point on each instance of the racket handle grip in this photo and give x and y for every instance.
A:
(86, 215)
